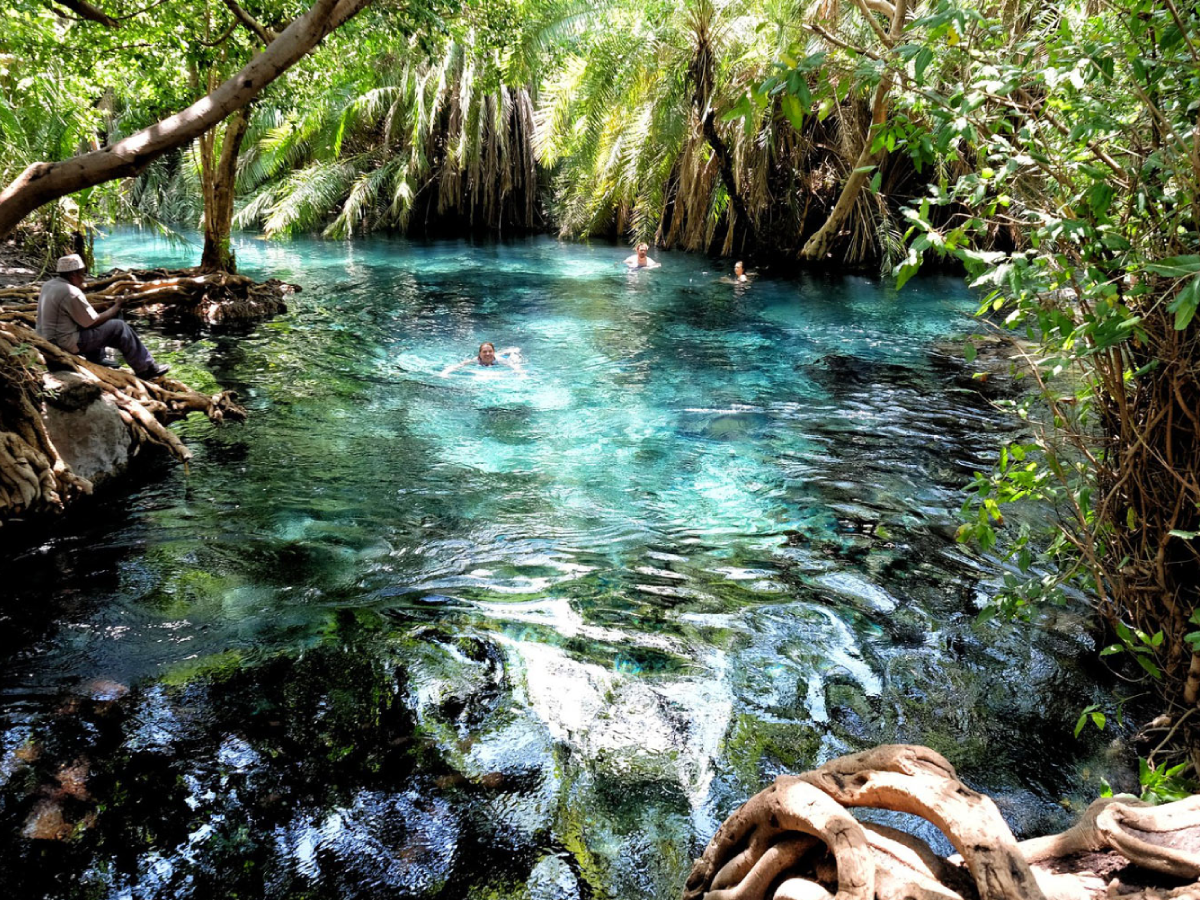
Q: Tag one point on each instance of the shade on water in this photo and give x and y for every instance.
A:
(519, 633)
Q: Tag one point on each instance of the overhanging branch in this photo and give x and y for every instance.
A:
(44, 182)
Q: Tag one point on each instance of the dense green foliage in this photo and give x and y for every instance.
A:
(1081, 127)
(591, 118)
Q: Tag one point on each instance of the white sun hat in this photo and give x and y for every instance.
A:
(71, 263)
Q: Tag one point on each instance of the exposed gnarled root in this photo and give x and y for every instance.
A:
(189, 295)
(34, 478)
(777, 846)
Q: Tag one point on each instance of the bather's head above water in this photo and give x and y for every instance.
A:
(639, 259)
(489, 356)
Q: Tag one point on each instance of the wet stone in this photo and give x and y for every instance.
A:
(859, 591)
(513, 774)
(396, 845)
(552, 879)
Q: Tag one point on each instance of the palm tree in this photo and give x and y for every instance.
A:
(441, 134)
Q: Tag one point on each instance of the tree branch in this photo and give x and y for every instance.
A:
(92, 13)
(872, 21)
(43, 182)
(264, 34)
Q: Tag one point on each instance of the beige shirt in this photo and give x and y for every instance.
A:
(62, 311)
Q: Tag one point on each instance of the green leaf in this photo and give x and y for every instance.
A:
(906, 271)
(1185, 303)
(793, 110)
(1187, 536)
(1175, 266)
(1154, 671)
(969, 352)
(742, 109)
(921, 63)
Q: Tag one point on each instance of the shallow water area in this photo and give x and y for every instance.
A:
(517, 633)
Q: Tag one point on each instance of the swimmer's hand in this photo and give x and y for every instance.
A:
(511, 357)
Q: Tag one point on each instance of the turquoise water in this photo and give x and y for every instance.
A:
(705, 536)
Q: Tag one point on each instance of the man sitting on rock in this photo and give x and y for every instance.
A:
(65, 318)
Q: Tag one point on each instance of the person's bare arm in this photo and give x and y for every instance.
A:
(456, 366)
(85, 316)
(111, 312)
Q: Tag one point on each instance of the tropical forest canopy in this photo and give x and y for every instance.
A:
(1052, 150)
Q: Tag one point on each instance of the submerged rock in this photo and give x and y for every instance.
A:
(838, 370)
(395, 845)
(552, 879)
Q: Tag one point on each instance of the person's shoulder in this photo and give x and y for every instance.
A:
(76, 294)
(58, 288)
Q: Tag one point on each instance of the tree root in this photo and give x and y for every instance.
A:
(34, 478)
(917, 780)
(185, 296)
(778, 844)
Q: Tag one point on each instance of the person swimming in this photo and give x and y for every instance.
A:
(489, 356)
(739, 275)
(639, 259)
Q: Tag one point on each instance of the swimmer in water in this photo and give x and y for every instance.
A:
(489, 356)
(739, 275)
(639, 260)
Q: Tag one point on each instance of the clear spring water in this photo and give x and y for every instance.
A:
(527, 635)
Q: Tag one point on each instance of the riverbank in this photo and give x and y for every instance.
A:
(68, 425)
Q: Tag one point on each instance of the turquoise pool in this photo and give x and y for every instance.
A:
(518, 634)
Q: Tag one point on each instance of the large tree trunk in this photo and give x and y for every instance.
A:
(219, 181)
(702, 73)
(728, 177)
(43, 182)
(819, 244)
